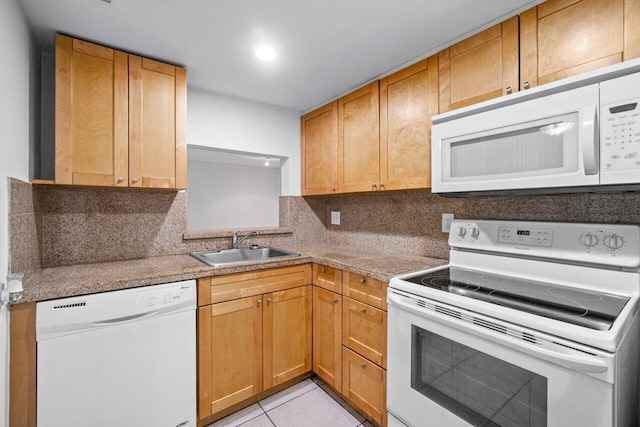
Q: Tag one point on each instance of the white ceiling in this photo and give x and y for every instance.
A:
(325, 47)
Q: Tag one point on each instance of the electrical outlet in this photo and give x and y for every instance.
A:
(446, 222)
(335, 218)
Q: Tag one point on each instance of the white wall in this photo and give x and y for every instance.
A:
(222, 122)
(232, 196)
(18, 87)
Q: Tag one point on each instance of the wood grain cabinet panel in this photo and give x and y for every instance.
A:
(364, 330)
(482, 67)
(327, 277)
(319, 138)
(359, 140)
(120, 119)
(287, 335)
(364, 384)
(365, 289)
(408, 99)
(230, 353)
(563, 38)
(327, 336)
(91, 114)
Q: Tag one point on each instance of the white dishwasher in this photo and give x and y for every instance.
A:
(122, 358)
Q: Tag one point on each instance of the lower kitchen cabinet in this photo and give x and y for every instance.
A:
(327, 336)
(258, 338)
(364, 384)
(287, 335)
(364, 330)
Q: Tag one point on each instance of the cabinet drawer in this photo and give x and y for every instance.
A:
(364, 384)
(364, 330)
(234, 286)
(365, 289)
(327, 277)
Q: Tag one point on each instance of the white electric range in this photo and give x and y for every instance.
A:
(530, 324)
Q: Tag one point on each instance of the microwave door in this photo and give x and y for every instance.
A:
(540, 148)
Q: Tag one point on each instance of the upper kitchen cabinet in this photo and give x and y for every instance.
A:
(562, 38)
(408, 99)
(319, 137)
(91, 114)
(120, 119)
(359, 140)
(482, 67)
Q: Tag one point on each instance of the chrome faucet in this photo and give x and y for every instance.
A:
(235, 242)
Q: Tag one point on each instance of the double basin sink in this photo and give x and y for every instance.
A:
(241, 255)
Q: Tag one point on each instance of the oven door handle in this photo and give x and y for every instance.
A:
(569, 358)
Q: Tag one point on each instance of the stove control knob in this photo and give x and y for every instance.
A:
(462, 231)
(474, 232)
(614, 241)
(589, 240)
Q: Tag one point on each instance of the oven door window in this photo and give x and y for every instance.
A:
(480, 389)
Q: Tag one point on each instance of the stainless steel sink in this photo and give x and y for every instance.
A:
(241, 255)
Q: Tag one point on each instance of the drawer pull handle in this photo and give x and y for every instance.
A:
(363, 310)
(335, 300)
(259, 302)
(134, 181)
(363, 365)
(268, 301)
(324, 270)
(363, 281)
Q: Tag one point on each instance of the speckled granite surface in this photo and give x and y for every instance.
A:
(66, 281)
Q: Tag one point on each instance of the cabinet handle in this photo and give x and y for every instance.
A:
(323, 270)
(333, 189)
(335, 300)
(259, 302)
(381, 185)
(373, 185)
(509, 90)
(120, 179)
(363, 310)
(526, 85)
(268, 301)
(363, 365)
(363, 281)
(134, 180)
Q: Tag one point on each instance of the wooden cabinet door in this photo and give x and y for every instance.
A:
(229, 353)
(287, 335)
(365, 385)
(562, 38)
(327, 336)
(359, 140)
(157, 121)
(364, 330)
(408, 99)
(319, 137)
(91, 114)
(482, 67)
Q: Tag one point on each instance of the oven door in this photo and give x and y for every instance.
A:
(449, 367)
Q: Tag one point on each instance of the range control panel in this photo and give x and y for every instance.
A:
(604, 244)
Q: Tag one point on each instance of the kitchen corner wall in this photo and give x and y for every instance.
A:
(54, 225)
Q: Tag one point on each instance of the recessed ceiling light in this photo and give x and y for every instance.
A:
(265, 52)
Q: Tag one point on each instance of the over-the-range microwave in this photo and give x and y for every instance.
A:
(581, 134)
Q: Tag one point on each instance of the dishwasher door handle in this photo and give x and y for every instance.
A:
(124, 319)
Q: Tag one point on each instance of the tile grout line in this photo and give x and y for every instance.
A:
(283, 403)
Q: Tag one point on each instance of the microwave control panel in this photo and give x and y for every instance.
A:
(620, 130)
(621, 136)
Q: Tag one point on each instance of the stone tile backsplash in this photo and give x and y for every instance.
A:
(54, 225)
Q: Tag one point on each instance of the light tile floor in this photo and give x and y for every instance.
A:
(309, 403)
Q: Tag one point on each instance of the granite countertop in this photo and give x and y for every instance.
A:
(83, 279)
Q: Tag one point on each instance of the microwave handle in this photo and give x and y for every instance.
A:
(591, 140)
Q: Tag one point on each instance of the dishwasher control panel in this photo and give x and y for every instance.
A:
(164, 297)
